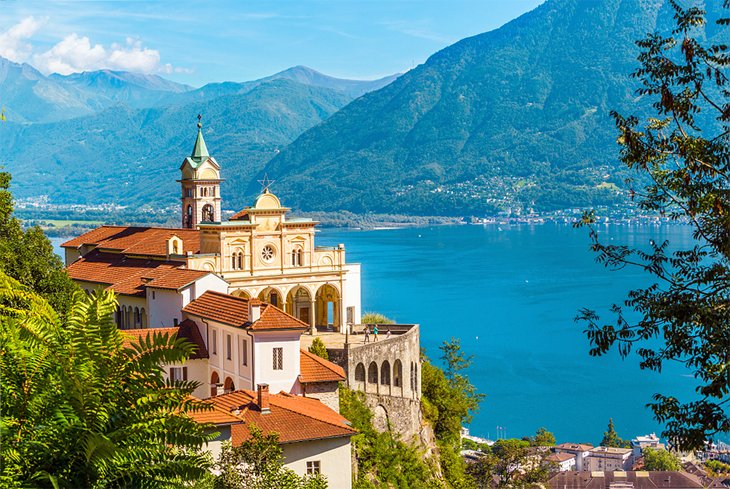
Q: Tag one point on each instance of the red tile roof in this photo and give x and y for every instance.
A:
(130, 240)
(294, 418)
(187, 329)
(316, 369)
(234, 311)
(130, 276)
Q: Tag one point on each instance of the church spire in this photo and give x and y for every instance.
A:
(200, 151)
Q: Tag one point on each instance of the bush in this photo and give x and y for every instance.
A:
(317, 348)
(375, 318)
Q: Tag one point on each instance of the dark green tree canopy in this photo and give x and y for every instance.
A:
(684, 154)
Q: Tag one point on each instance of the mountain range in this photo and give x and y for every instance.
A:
(108, 136)
(515, 118)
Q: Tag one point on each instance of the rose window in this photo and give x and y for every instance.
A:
(267, 254)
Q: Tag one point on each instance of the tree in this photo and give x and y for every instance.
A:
(258, 463)
(512, 463)
(655, 459)
(684, 155)
(81, 409)
(317, 347)
(542, 438)
(448, 401)
(28, 256)
(611, 438)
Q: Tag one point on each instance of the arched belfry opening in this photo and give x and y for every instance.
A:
(200, 184)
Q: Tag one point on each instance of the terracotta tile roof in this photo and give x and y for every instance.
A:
(294, 418)
(136, 240)
(316, 369)
(241, 215)
(577, 447)
(216, 416)
(130, 276)
(560, 457)
(187, 329)
(234, 311)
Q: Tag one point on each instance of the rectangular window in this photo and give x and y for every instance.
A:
(244, 352)
(313, 467)
(278, 358)
(178, 373)
(228, 347)
(153, 295)
(214, 343)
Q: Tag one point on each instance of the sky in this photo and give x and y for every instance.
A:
(198, 42)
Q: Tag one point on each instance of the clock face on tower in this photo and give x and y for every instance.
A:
(267, 254)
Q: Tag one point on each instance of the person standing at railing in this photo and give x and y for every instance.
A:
(367, 335)
(375, 333)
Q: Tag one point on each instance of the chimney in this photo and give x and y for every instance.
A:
(263, 398)
(254, 310)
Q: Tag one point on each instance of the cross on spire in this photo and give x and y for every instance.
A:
(200, 124)
(266, 183)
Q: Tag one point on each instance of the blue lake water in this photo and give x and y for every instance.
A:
(511, 294)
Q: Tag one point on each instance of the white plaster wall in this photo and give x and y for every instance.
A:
(71, 255)
(164, 308)
(352, 291)
(197, 371)
(264, 343)
(334, 455)
(214, 446)
(208, 282)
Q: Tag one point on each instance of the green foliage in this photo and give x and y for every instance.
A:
(79, 409)
(717, 467)
(28, 256)
(448, 402)
(317, 348)
(258, 463)
(611, 438)
(382, 459)
(655, 459)
(375, 318)
(683, 151)
(514, 463)
(542, 438)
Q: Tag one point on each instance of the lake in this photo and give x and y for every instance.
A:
(510, 294)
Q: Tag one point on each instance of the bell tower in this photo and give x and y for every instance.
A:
(200, 182)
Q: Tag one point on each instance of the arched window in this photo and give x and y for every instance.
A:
(385, 373)
(398, 374)
(373, 373)
(189, 217)
(360, 373)
(208, 213)
(240, 260)
(228, 386)
(214, 381)
(142, 318)
(233, 261)
(136, 317)
(297, 256)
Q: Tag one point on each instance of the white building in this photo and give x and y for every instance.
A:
(314, 438)
(579, 451)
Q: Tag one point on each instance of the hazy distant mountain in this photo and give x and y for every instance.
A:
(27, 95)
(514, 117)
(105, 88)
(132, 156)
(299, 74)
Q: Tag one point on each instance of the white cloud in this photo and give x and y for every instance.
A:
(74, 54)
(13, 42)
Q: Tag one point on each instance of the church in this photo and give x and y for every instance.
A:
(258, 253)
